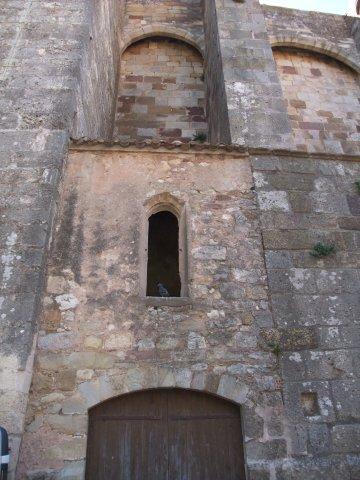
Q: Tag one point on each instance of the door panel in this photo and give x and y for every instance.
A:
(165, 435)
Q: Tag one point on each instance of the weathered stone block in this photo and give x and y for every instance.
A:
(354, 204)
(319, 439)
(57, 341)
(274, 200)
(296, 409)
(267, 450)
(329, 364)
(73, 449)
(278, 259)
(258, 473)
(210, 252)
(68, 424)
(74, 406)
(346, 398)
(253, 424)
(292, 338)
(346, 438)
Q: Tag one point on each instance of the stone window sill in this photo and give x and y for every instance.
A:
(166, 301)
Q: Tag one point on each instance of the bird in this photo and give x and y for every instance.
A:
(162, 290)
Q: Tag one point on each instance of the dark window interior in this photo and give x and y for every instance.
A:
(163, 255)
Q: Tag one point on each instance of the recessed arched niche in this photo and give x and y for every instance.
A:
(161, 93)
(321, 96)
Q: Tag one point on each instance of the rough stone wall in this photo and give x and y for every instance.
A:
(99, 338)
(257, 113)
(304, 201)
(42, 47)
(322, 101)
(313, 28)
(161, 91)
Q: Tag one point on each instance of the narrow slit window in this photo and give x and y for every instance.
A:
(163, 278)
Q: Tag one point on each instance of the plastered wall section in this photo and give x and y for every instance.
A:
(322, 97)
(302, 202)
(98, 338)
(43, 45)
(161, 92)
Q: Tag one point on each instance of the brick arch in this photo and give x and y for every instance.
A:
(163, 31)
(316, 45)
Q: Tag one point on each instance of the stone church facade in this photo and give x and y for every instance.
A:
(238, 120)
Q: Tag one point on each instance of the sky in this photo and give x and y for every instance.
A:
(340, 7)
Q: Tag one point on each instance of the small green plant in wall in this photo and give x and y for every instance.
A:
(321, 250)
(275, 348)
(200, 137)
(357, 185)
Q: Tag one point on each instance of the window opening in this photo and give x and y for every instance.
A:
(163, 277)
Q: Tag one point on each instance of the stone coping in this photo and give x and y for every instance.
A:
(195, 147)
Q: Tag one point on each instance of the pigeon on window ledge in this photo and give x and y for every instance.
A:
(162, 290)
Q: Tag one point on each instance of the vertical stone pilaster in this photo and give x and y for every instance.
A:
(31, 162)
(216, 107)
(256, 109)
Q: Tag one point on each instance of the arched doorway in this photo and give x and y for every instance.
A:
(165, 434)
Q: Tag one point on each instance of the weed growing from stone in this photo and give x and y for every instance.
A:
(321, 250)
(357, 184)
(200, 137)
(275, 348)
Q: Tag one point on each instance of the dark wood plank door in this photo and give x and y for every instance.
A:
(205, 439)
(165, 434)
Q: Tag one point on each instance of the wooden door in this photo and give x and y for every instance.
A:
(165, 434)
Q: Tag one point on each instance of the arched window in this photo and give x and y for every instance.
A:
(163, 278)
(163, 248)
